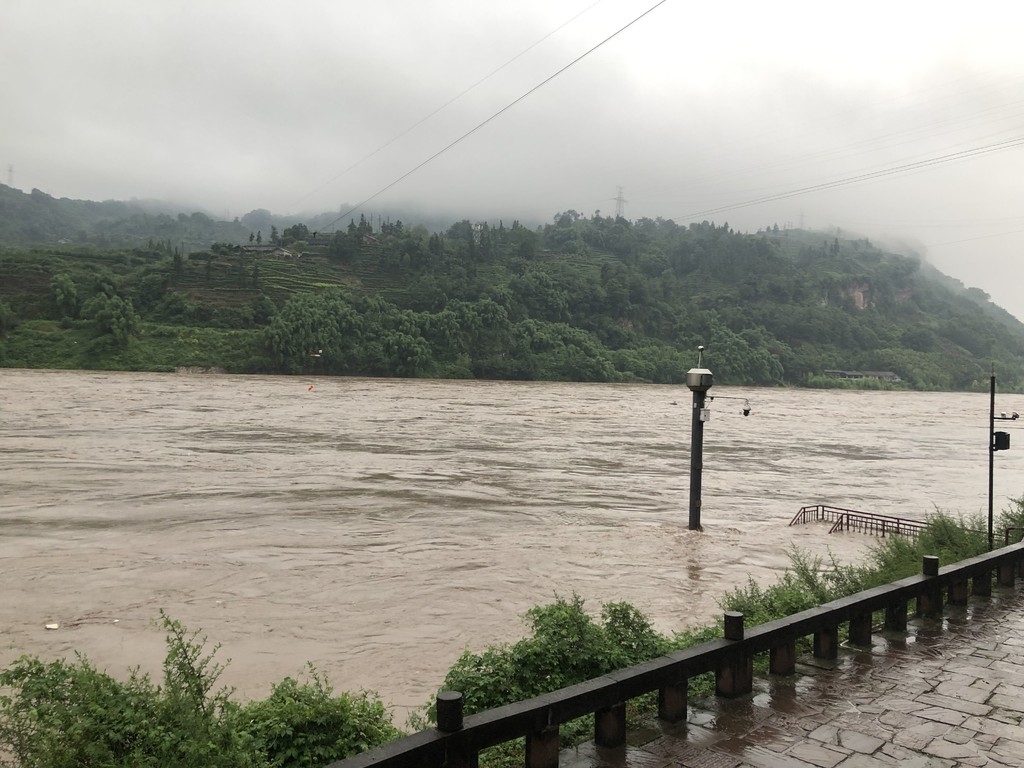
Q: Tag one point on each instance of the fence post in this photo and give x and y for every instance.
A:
(449, 720)
(896, 616)
(735, 675)
(449, 711)
(929, 602)
(542, 748)
(826, 642)
(672, 701)
(981, 583)
(1006, 574)
(610, 726)
(782, 659)
(958, 592)
(860, 629)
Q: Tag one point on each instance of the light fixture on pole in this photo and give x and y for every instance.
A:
(699, 380)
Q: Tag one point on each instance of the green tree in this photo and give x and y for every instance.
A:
(113, 316)
(65, 295)
(7, 318)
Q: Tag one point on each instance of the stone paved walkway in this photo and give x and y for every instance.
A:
(949, 692)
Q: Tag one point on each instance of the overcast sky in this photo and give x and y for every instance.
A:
(900, 120)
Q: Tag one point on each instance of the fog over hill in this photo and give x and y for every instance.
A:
(900, 120)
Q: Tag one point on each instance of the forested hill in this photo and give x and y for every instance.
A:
(582, 298)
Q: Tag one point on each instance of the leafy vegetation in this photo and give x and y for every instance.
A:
(65, 714)
(582, 298)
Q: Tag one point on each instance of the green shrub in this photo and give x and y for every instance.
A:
(1012, 520)
(567, 646)
(69, 714)
(64, 714)
(807, 583)
(303, 725)
(950, 538)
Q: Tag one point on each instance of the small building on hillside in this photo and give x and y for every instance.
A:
(270, 250)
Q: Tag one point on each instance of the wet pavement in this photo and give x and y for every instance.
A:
(948, 692)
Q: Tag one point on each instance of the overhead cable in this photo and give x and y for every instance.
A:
(497, 114)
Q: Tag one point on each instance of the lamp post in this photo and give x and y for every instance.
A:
(997, 441)
(699, 380)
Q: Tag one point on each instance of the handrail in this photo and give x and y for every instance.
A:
(730, 658)
(818, 512)
(868, 521)
(852, 519)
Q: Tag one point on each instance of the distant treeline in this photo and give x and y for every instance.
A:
(584, 298)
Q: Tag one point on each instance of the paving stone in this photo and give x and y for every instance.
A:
(1004, 702)
(941, 715)
(1006, 672)
(589, 756)
(947, 749)
(818, 754)
(963, 691)
(993, 654)
(759, 757)
(859, 742)
(900, 720)
(997, 762)
(679, 753)
(873, 708)
(859, 760)
(1007, 751)
(1009, 690)
(961, 735)
(899, 705)
(774, 738)
(1002, 716)
(917, 737)
(904, 756)
(951, 702)
(867, 725)
(826, 734)
(1003, 731)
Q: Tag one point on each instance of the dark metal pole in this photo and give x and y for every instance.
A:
(991, 452)
(698, 381)
(696, 458)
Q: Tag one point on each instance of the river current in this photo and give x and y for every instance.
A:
(379, 528)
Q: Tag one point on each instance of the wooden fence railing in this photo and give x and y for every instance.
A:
(457, 741)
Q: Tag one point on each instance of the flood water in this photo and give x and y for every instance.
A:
(378, 528)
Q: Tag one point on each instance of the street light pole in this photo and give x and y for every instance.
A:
(997, 441)
(991, 452)
(699, 380)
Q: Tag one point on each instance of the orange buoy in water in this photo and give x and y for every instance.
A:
(310, 388)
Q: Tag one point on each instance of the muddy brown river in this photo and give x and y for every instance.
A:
(378, 528)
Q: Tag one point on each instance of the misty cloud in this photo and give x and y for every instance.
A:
(232, 106)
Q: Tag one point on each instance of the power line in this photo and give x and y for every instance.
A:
(448, 103)
(940, 160)
(497, 114)
(972, 239)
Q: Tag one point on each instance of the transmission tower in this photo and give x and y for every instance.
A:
(620, 204)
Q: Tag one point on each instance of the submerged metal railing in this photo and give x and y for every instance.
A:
(854, 520)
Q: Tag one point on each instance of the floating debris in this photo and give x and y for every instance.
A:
(53, 626)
